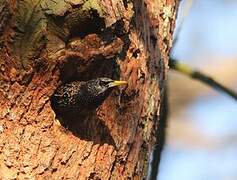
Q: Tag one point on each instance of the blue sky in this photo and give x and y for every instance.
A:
(208, 32)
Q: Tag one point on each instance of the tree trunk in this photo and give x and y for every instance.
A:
(48, 42)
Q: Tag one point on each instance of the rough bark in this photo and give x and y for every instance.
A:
(44, 43)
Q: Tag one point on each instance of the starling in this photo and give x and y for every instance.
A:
(80, 97)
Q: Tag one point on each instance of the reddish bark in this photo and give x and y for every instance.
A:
(116, 141)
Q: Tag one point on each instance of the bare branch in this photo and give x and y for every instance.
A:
(188, 71)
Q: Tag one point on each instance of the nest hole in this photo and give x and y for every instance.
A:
(83, 23)
(87, 127)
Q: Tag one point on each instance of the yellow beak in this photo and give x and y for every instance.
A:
(118, 83)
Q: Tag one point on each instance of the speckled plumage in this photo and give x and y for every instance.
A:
(81, 97)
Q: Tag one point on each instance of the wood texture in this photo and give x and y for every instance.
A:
(50, 45)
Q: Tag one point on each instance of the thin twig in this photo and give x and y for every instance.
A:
(188, 71)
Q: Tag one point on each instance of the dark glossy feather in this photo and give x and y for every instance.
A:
(80, 97)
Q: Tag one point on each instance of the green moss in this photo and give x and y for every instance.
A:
(31, 23)
(93, 5)
(30, 28)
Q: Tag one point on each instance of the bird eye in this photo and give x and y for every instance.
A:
(103, 83)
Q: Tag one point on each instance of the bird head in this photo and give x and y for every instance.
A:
(100, 88)
(100, 85)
